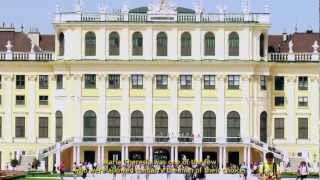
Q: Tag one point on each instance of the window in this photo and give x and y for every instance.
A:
(209, 126)
(90, 44)
(262, 45)
(137, 81)
(90, 81)
(114, 126)
(263, 126)
(20, 127)
(114, 81)
(43, 127)
(61, 44)
(303, 83)
(20, 81)
(43, 82)
(0, 81)
(185, 132)
(233, 44)
(90, 126)
(59, 126)
(20, 100)
(279, 101)
(161, 81)
(233, 82)
(161, 126)
(279, 128)
(279, 83)
(43, 100)
(263, 83)
(209, 81)
(186, 44)
(209, 44)
(137, 126)
(137, 44)
(303, 101)
(59, 81)
(162, 44)
(185, 81)
(303, 128)
(114, 44)
(233, 126)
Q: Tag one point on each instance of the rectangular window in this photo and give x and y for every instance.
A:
(59, 81)
(279, 83)
(43, 127)
(89, 81)
(162, 81)
(263, 83)
(303, 83)
(137, 81)
(279, 128)
(0, 127)
(20, 100)
(20, 81)
(114, 81)
(43, 100)
(303, 101)
(209, 81)
(233, 82)
(0, 81)
(43, 82)
(185, 81)
(20, 127)
(303, 128)
(279, 101)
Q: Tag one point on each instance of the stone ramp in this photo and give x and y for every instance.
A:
(158, 177)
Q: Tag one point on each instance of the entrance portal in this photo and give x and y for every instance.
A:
(89, 156)
(233, 158)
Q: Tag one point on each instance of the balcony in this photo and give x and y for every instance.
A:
(26, 56)
(293, 57)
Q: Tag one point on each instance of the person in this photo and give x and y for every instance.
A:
(244, 170)
(269, 170)
(302, 170)
(61, 169)
(201, 174)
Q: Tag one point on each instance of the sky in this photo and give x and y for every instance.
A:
(286, 14)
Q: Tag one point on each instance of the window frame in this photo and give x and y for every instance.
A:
(59, 81)
(186, 82)
(137, 81)
(279, 83)
(43, 82)
(161, 81)
(233, 82)
(43, 100)
(278, 103)
(303, 101)
(279, 128)
(90, 81)
(303, 128)
(263, 83)
(21, 129)
(114, 81)
(303, 82)
(43, 128)
(209, 81)
(20, 102)
(20, 81)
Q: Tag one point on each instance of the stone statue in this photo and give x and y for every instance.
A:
(315, 47)
(9, 47)
(291, 46)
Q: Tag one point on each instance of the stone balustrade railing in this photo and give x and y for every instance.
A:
(175, 17)
(294, 57)
(26, 56)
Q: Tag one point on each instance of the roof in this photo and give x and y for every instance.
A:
(22, 43)
(145, 9)
(302, 42)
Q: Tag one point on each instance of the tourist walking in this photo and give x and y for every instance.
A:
(302, 171)
(269, 169)
(61, 169)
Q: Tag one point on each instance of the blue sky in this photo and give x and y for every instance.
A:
(286, 14)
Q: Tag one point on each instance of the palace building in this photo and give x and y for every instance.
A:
(159, 82)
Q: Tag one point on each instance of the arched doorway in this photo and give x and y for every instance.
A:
(161, 155)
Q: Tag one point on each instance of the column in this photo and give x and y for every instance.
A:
(151, 153)
(315, 109)
(173, 116)
(245, 119)
(77, 104)
(224, 156)
(197, 153)
(148, 128)
(8, 85)
(102, 122)
(99, 154)
(245, 149)
(172, 152)
(176, 153)
(58, 155)
(249, 156)
(147, 153)
(200, 153)
(102, 155)
(123, 154)
(221, 109)
(290, 121)
(197, 121)
(74, 155)
(78, 154)
(220, 156)
(32, 100)
(127, 152)
(125, 109)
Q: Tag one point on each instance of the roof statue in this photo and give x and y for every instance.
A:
(103, 6)
(78, 6)
(290, 46)
(198, 6)
(9, 47)
(245, 6)
(315, 47)
(222, 9)
(162, 7)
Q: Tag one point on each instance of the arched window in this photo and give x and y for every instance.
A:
(114, 126)
(61, 44)
(89, 126)
(261, 45)
(209, 126)
(263, 126)
(185, 126)
(209, 44)
(137, 44)
(162, 44)
(186, 44)
(90, 44)
(233, 44)
(59, 126)
(161, 126)
(114, 44)
(137, 126)
(233, 127)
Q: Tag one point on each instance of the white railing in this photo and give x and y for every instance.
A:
(294, 57)
(178, 17)
(26, 56)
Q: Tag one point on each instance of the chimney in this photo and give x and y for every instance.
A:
(284, 36)
(34, 36)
